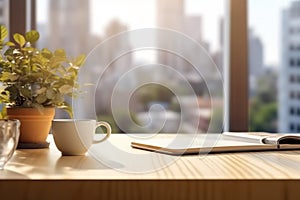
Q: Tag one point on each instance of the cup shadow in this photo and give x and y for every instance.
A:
(84, 162)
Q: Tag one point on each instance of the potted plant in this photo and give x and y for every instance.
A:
(34, 82)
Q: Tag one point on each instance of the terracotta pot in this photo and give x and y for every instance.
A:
(35, 126)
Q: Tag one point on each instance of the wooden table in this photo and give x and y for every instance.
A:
(45, 174)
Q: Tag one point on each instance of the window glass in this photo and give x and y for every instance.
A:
(4, 10)
(80, 25)
(274, 40)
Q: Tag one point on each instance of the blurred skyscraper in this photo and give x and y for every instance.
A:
(68, 28)
(218, 55)
(186, 59)
(171, 15)
(255, 54)
(289, 73)
(255, 61)
(118, 64)
(4, 12)
(69, 24)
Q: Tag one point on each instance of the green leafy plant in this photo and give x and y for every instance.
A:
(33, 77)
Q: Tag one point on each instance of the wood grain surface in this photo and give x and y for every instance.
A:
(32, 174)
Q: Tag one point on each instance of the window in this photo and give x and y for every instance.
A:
(292, 127)
(292, 111)
(292, 95)
(298, 79)
(79, 27)
(298, 128)
(292, 63)
(4, 12)
(292, 78)
(298, 62)
(276, 75)
(237, 113)
(298, 111)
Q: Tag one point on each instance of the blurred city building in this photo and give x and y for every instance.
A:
(255, 61)
(171, 15)
(4, 11)
(67, 18)
(68, 26)
(289, 73)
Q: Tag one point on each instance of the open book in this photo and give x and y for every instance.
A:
(219, 143)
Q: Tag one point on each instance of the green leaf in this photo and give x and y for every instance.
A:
(19, 39)
(50, 93)
(65, 89)
(32, 36)
(59, 99)
(66, 107)
(25, 92)
(9, 52)
(3, 33)
(60, 53)
(41, 98)
(3, 114)
(39, 107)
(10, 44)
(41, 90)
(56, 62)
(7, 76)
(79, 60)
(52, 73)
(46, 53)
(4, 96)
(28, 49)
(13, 92)
(13, 77)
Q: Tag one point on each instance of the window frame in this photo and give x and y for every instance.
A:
(18, 16)
(237, 66)
(235, 58)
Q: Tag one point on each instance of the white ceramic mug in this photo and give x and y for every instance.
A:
(75, 136)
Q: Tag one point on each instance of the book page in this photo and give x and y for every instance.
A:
(282, 139)
(248, 136)
(265, 138)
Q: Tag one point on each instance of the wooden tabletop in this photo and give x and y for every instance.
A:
(114, 170)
